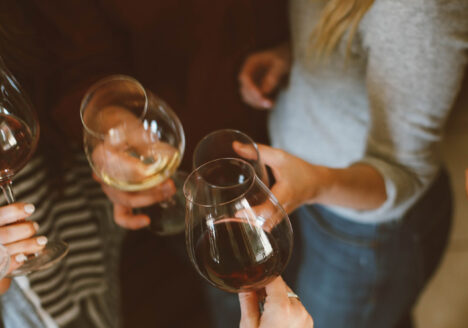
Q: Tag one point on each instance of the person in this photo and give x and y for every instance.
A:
(81, 290)
(356, 129)
(57, 50)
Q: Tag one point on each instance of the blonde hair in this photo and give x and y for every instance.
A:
(337, 18)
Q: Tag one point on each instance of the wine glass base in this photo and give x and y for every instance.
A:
(52, 253)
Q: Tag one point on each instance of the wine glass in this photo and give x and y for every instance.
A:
(134, 141)
(230, 143)
(238, 236)
(19, 134)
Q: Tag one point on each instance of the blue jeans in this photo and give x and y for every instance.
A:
(355, 275)
(368, 275)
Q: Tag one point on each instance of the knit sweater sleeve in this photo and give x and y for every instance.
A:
(416, 61)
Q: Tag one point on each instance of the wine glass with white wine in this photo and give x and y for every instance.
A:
(133, 142)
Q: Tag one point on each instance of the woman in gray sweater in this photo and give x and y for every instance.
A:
(371, 83)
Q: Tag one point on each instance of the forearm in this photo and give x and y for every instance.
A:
(360, 187)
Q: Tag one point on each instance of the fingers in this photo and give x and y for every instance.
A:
(277, 291)
(15, 212)
(272, 157)
(247, 151)
(124, 217)
(142, 198)
(27, 246)
(254, 97)
(18, 231)
(250, 90)
(272, 78)
(250, 314)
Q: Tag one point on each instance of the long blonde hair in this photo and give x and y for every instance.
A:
(337, 18)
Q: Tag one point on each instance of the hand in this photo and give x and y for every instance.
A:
(297, 181)
(280, 311)
(125, 201)
(113, 157)
(17, 236)
(262, 74)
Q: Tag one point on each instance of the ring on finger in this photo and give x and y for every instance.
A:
(293, 295)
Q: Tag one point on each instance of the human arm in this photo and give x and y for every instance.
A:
(298, 182)
(414, 67)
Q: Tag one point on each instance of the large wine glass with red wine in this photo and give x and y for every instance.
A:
(230, 143)
(19, 134)
(238, 236)
(134, 141)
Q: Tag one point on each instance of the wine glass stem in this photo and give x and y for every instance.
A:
(8, 192)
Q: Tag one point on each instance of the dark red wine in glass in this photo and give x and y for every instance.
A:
(16, 143)
(241, 256)
(238, 236)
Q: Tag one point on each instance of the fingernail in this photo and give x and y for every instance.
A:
(20, 258)
(36, 226)
(42, 240)
(29, 208)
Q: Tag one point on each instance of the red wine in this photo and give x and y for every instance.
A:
(16, 141)
(235, 255)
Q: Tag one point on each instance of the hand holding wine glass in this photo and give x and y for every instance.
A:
(280, 310)
(229, 242)
(17, 236)
(19, 134)
(134, 142)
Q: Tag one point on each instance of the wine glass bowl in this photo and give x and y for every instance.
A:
(19, 129)
(238, 236)
(229, 143)
(134, 141)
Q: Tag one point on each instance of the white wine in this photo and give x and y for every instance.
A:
(149, 174)
(134, 169)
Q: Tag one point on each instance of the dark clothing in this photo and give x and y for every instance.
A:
(187, 52)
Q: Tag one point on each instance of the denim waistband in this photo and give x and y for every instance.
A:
(437, 195)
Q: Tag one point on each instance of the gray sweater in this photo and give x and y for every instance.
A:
(387, 107)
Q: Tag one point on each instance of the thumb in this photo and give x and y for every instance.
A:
(250, 314)
(247, 151)
(273, 157)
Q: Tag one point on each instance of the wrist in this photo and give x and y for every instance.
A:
(321, 180)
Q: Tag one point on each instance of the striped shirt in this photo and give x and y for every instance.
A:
(85, 282)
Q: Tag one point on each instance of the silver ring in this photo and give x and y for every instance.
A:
(293, 295)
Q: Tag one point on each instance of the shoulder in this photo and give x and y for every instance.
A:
(416, 21)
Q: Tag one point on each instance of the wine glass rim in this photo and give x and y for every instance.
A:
(250, 180)
(96, 85)
(35, 127)
(254, 144)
